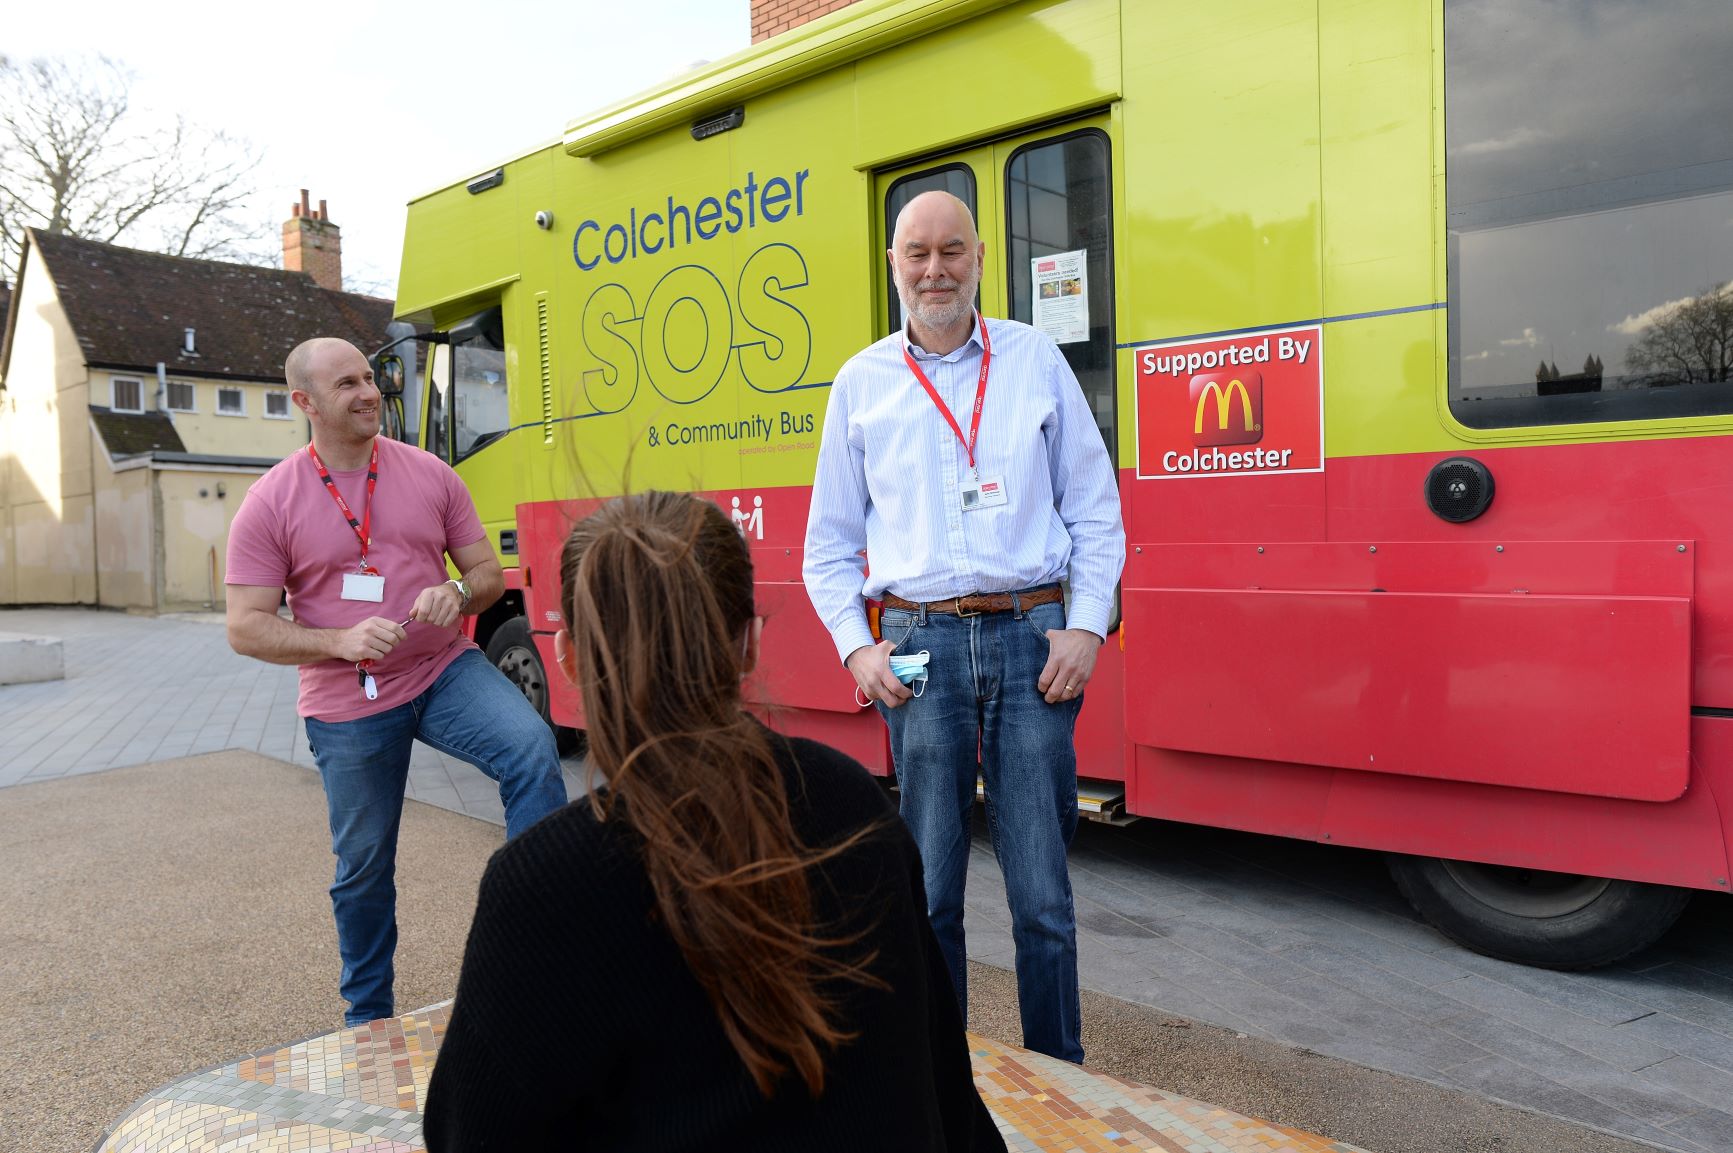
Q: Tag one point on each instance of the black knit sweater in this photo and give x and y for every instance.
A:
(578, 1025)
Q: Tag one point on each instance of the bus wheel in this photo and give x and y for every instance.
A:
(513, 652)
(1554, 920)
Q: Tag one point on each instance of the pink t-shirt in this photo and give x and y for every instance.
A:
(289, 534)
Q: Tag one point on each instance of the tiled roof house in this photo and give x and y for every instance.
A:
(140, 396)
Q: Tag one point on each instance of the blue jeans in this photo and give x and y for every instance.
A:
(981, 708)
(470, 712)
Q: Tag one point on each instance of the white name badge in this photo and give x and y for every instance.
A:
(363, 586)
(983, 494)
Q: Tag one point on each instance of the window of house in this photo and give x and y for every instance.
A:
(128, 395)
(231, 402)
(1588, 186)
(277, 404)
(180, 396)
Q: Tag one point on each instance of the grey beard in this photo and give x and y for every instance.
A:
(938, 316)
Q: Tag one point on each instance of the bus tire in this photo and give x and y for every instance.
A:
(1552, 920)
(512, 650)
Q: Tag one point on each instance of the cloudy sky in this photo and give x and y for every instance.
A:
(368, 104)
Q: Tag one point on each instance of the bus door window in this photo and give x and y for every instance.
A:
(416, 357)
(958, 180)
(480, 413)
(439, 402)
(1059, 261)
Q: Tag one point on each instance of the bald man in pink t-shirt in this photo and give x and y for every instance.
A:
(356, 528)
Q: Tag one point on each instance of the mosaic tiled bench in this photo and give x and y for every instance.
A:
(361, 1090)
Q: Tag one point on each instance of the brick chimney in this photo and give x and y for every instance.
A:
(772, 16)
(312, 244)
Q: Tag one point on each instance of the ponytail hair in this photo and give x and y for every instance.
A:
(656, 588)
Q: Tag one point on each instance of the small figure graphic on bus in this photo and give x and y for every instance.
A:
(750, 524)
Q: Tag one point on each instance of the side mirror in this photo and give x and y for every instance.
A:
(487, 325)
(388, 374)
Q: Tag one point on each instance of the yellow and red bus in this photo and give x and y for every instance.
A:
(1400, 573)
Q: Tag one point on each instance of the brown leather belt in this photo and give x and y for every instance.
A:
(977, 603)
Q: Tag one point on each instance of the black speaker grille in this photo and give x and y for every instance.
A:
(1458, 489)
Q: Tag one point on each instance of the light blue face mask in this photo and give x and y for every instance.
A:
(911, 669)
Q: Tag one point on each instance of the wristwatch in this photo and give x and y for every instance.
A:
(462, 587)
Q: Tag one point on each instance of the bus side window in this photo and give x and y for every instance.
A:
(1590, 259)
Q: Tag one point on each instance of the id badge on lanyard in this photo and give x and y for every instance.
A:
(975, 492)
(983, 493)
(365, 583)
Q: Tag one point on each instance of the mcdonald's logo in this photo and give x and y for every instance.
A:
(1237, 414)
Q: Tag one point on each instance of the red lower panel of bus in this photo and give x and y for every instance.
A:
(1580, 656)
(1572, 694)
(1682, 842)
(1516, 689)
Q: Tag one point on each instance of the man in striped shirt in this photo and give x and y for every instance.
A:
(972, 505)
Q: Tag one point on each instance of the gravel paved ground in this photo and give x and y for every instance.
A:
(159, 919)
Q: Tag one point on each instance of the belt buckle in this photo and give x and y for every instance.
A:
(959, 604)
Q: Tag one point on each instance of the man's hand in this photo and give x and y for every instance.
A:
(368, 641)
(439, 606)
(1070, 663)
(871, 666)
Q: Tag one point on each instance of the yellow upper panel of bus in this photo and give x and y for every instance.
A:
(1273, 164)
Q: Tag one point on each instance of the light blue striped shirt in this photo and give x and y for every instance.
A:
(891, 472)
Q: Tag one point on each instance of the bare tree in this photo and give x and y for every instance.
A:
(1692, 343)
(75, 158)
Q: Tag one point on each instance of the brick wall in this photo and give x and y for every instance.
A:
(772, 16)
(312, 244)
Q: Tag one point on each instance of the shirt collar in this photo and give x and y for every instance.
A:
(920, 353)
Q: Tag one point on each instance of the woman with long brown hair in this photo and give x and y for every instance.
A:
(724, 946)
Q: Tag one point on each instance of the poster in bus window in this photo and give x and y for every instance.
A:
(1061, 291)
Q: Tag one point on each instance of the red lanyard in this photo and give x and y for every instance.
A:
(980, 392)
(363, 526)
